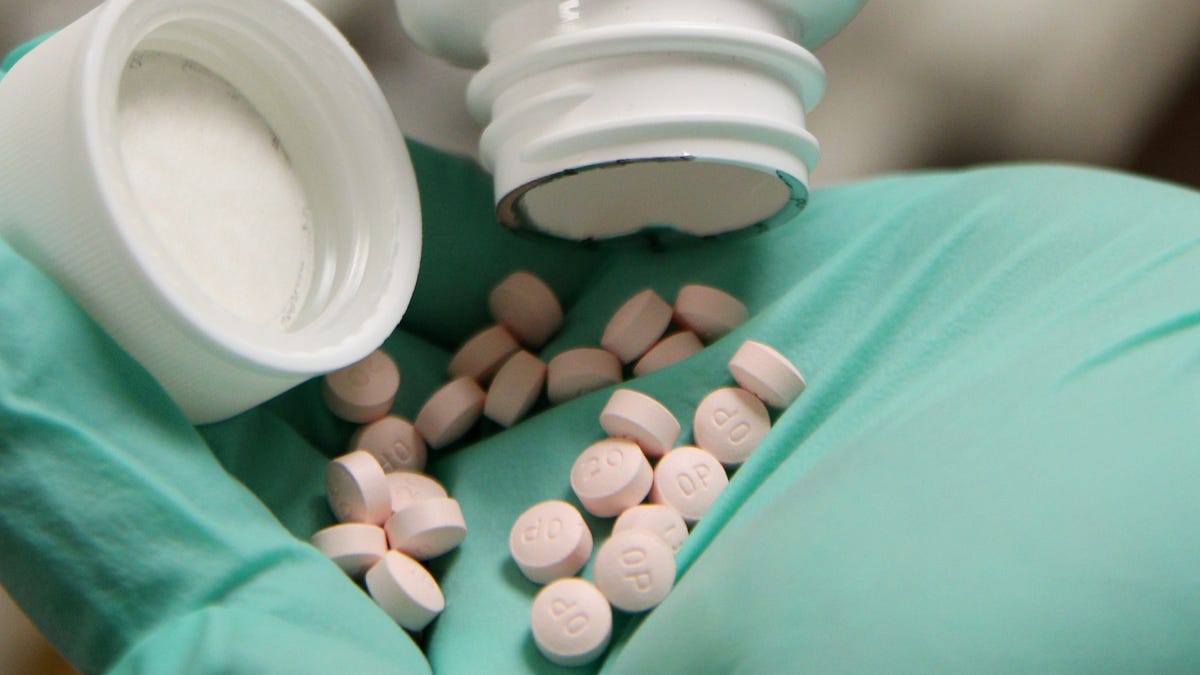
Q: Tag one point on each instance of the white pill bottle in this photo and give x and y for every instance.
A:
(609, 117)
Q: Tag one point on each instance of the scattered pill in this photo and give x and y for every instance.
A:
(635, 570)
(611, 476)
(657, 519)
(633, 415)
(730, 422)
(636, 326)
(578, 371)
(483, 354)
(515, 389)
(571, 622)
(688, 480)
(670, 350)
(549, 541)
(407, 487)
(405, 590)
(355, 547)
(708, 312)
(364, 391)
(427, 528)
(451, 412)
(394, 442)
(357, 489)
(767, 374)
(526, 306)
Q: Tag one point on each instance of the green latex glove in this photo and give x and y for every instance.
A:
(994, 467)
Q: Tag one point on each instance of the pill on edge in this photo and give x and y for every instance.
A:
(579, 371)
(667, 352)
(527, 306)
(636, 326)
(450, 412)
(515, 389)
(769, 375)
(642, 419)
(354, 547)
(709, 312)
(357, 490)
(405, 590)
(483, 354)
(427, 528)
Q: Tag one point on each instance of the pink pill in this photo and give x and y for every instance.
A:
(526, 306)
(393, 441)
(362, 392)
(669, 350)
(483, 354)
(662, 521)
(611, 476)
(688, 480)
(357, 490)
(767, 374)
(549, 541)
(407, 487)
(355, 547)
(633, 415)
(571, 622)
(578, 371)
(634, 570)
(427, 528)
(708, 312)
(730, 423)
(636, 326)
(451, 412)
(515, 389)
(405, 590)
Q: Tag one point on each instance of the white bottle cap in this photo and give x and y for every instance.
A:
(69, 205)
(605, 118)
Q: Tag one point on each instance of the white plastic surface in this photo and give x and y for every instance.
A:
(393, 441)
(635, 570)
(407, 487)
(571, 622)
(767, 374)
(526, 306)
(636, 326)
(515, 389)
(709, 312)
(642, 419)
(688, 480)
(355, 547)
(364, 391)
(730, 423)
(357, 490)
(549, 541)
(611, 476)
(427, 528)
(62, 167)
(660, 520)
(450, 412)
(579, 371)
(405, 590)
(668, 351)
(483, 354)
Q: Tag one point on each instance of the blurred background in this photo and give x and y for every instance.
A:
(913, 84)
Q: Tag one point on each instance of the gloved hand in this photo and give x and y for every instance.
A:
(994, 466)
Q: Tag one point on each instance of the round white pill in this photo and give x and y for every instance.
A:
(526, 306)
(549, 541)
(635, 570)
(688, 480)
(633, 415)
(393, 441)
(451, 412)
(708, 312)
(578, 371)
(427, 528)
(571, 622)
(483, 354)
(670, 350)
(407, 487)
(357, 490)
(364, 391)
(767, 374)
(636, 326)
(515, 389)
(405, 590)
(355, 547)
(730, 422)
(662, 521)
(611, 476)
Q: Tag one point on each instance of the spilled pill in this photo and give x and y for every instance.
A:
(708, 312)
(730, 422)
(364, 391)
(578, 371)
(660, 520)
(571, 622)
(549, 541)
(635, 570)
(767, 374)
(394, 442)
(636, 326)
(526, 306)
(405, 590)
(638, 417)
(515, 389)
(688, 480)
(357, 490)
(407, 487)
(670, 350)
(355, 547)
(483, 354)
(611, 476)
(451, 412)
(426, 528)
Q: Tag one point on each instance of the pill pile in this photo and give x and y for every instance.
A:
(634, 570)
(392, 517)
